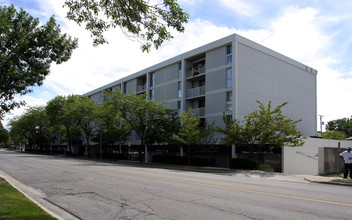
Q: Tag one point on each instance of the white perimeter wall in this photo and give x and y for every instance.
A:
(305, 159)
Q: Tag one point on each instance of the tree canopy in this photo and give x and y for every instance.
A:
(27, 50)
(335, 135)
(31, 128)
(343, 125)
(140, 113)
(261, 128)
(192, 132)
(114, 129)
(142, 20)
(4, 135)
(62, 115)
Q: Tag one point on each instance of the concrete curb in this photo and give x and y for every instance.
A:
(38, 198)
(327, 182)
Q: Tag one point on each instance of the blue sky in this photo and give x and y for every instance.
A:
(317, 33)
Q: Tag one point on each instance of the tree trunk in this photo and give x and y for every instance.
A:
(87, 145)
(140, 152)
(189, 155)
(140, 149)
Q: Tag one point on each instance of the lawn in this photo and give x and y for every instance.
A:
(14, 205)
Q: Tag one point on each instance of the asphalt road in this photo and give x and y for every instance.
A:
(96, 190)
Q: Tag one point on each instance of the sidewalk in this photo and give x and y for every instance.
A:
(326, 180)
(289, 177)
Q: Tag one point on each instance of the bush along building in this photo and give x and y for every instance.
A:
(227, 77)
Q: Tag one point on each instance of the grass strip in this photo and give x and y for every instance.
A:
(346, 181)
(14, 205)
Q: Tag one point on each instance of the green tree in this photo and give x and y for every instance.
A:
(32, 127)
(343, 124)
(164, 126)
(208, 136)
(145, 22)
(190, 133)
(335, 135)
(261, 128)
(4, 135)
(114, 129)
(26, 53)
(85, 112)
(61, 112)
(138, 112)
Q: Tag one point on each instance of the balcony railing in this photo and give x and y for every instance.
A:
(199, 112)
(198, 91)
(228, 106)
(141, 88)
(195, 72)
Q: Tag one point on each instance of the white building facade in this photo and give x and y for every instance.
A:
(227, 75)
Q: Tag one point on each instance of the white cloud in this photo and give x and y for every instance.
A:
(190, 2)
(298, 34)
(242, 7)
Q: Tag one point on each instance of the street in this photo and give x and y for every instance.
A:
(97, 190)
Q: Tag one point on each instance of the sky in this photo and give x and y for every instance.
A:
(317, 33)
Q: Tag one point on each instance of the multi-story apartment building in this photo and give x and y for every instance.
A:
(228, 75)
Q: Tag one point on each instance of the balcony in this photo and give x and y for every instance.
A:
(199, 112)
(228, 107)
(194, 92)
(194, 72)
(141, 88)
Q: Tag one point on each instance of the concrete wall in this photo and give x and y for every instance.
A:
(215, 58)
(215, 86)
(96, 97)
(262, 76)
(165, 84)
(329, 160)
(166, 74)
(308, 159)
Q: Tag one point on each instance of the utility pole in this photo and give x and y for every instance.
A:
(321, 124)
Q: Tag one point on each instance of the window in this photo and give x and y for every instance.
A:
(152, 79)
(228, 77)
(201, 83)
(229, 101)
(125, 87)
(228, 118)
(179, 107)
(152, 95)
(229, 54)
(202, 122)
(201, 103)
(179, 72)
(179, 92)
